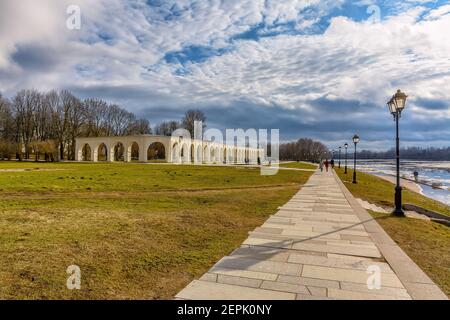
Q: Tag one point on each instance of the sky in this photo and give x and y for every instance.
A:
(320, 69)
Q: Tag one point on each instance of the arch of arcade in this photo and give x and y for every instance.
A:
(171, 149)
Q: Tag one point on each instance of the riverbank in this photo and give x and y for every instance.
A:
(378, 190)
(403, 182)
(433, 176)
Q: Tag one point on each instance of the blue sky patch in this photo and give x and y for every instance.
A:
(193, 54)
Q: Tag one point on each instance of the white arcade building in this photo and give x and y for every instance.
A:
(171, 149)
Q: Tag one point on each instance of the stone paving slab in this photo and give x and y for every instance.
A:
(206, 290)
(235, 272)
(352, 250)
(262, 253)
(348, 275)
(385, 291)
(353, 295)
(239, 281)
(244, 263)
(285, 287)
(319, 245)
(337, 262)
(317, 283)
(311, 237)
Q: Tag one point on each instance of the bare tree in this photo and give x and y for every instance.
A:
(7, 148)
(189, 119)
(119, 120)
(7, 123)
(76, 120)
(96, 112)
(59, 120)
(7, 130)
(24, 105)
(140, 126)
(304, 149)
(43, 123)
(43, 117)
(166, 128)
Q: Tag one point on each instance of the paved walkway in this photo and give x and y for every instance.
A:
(319, 245)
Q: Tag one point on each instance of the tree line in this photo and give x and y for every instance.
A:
(409, 153)
(34, 123)
(304, 149)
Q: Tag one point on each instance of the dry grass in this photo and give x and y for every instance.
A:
(299, 165)
(131, 239)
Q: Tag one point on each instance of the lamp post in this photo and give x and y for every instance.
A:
(355, 141)
(345, 146)
(340, 148)
(396, 106)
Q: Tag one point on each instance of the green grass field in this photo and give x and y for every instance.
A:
(136, 231)
(299, 165)
(426, 242)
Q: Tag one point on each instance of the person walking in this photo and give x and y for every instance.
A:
(326, 164)
(332, 163)
(321, 165)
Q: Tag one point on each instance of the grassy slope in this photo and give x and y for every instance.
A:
(427, 243)
(381, 192)
(299, 165)
(136, 231)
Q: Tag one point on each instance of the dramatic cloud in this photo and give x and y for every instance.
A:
(318, 68)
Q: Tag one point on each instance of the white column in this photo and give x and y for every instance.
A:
(95, 153)
(92, 152)
(143, 148)
(78, 151)
(110, 154)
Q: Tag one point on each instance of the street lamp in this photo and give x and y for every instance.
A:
(355, 141)
(340, 148)
(345, 146)
(396, 106)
